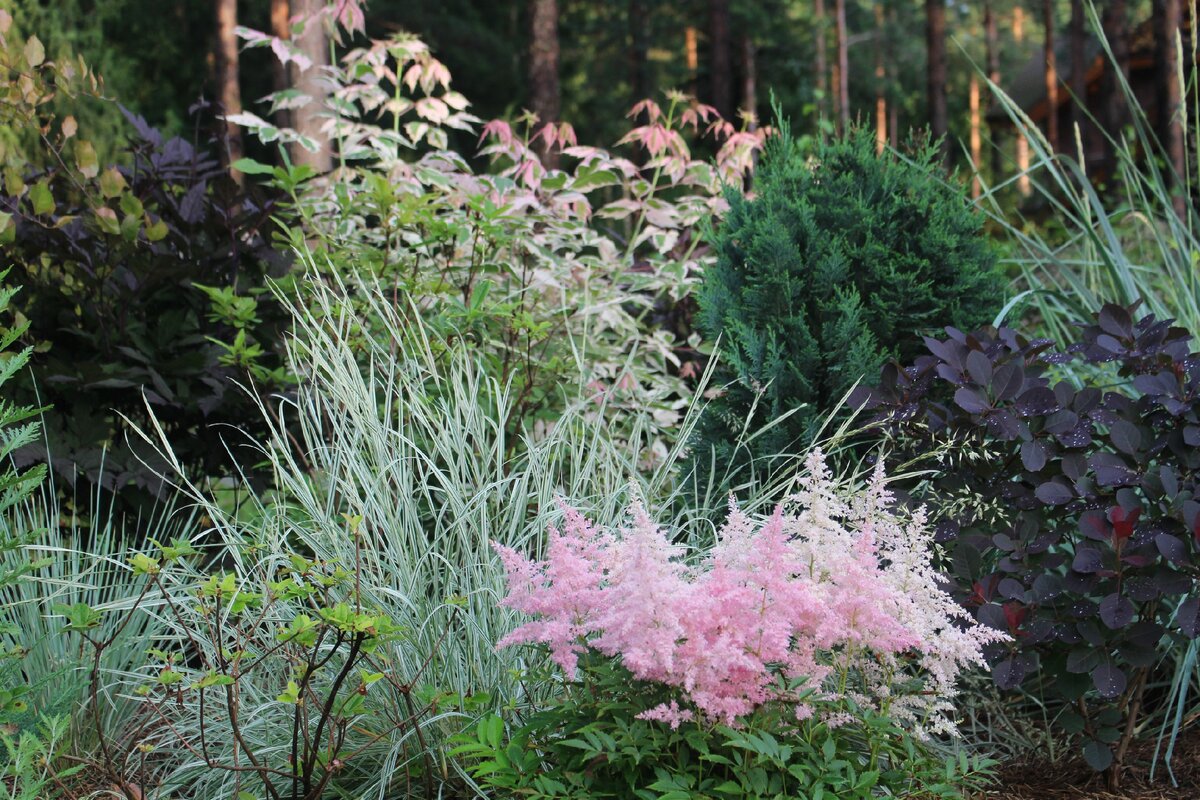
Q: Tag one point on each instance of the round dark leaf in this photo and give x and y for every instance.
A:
(979, 368)
(1172, 548)
(1188, 617)
(1109, 680)
(970, 400)
(1098, 755)
(1009, 673)
(1125, 436)
(1033, 456)
(1053, 493)
(1116, 611)
(1037, 401)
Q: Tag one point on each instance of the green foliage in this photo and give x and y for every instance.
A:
(29, 761)
(18, 429)
(825, 273)
(590, 742)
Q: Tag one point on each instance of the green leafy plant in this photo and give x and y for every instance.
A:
(29, 768)
(590, 742)
(824, 274)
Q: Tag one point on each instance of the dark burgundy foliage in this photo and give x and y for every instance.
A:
(1093, 568)
(117, 321)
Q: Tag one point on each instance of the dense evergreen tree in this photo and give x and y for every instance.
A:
(824, 275)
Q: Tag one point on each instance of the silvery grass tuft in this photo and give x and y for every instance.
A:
(406, 434)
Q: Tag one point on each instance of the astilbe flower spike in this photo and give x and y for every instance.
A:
(835, 584)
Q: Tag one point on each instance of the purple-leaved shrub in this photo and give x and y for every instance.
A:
(832, 597)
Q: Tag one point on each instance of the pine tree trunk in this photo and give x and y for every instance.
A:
(822, 62)
(228, 90)
(1051, 75)
(545, 96)
(308, 119)
(976, 136)
(639, 45)
(894, 107)
(1023, 184)
(1168, 19)
(749, 81)
(935, 48)
(720, 60)
(691, 54)
(1079, 67)
(1115, 22)
(279, 73)
(881, 129)
(991, 41)
(843, 60)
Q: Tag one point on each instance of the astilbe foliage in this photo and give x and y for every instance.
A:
(832, 597)
(1070, 514)
(822, 275)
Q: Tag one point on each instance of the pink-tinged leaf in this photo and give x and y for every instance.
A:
(252, 37)
(432, 109)
(648, 107)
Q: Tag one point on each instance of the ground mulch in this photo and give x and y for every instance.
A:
(1074, 780)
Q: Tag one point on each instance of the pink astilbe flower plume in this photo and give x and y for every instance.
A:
(835, 586)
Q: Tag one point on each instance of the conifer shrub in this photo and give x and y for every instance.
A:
(821, 276)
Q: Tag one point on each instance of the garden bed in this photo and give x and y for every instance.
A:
(1075, 780)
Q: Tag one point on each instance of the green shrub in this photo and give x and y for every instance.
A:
(822, 276)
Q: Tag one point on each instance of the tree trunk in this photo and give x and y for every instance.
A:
(279, 73)
(1023, 184)
(935, 48)
(1116, 111)
(1079, 68)
(991, 41)
(843, 82)
(822, 63)
(894, 107)
(749, 82)
(639, 45)
(881, 128)
(545, 96)
(720, 61)
(1168, 19)
(1051, 76)
(228, 90)
(308, 119)
(691, 54)
(976, 136)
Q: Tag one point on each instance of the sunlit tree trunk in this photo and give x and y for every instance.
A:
(279, 74)
(935, 83)
(228, 90)
(308, 119)
(976, 135)
(843, 62)
(1023, 184)
(1051, 75)
(691, 54)
(720, 60)
(1168, 19)
(821, 66)
(894, 107)
(880, 82)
